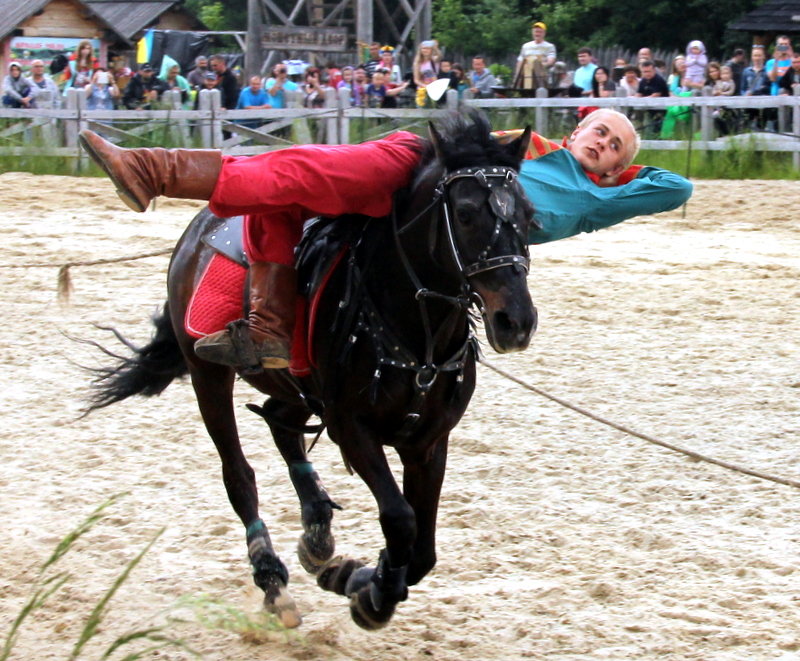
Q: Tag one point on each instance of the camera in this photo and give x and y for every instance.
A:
(782, 47)
(102, 78)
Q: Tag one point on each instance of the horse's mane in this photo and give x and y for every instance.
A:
(466, 141)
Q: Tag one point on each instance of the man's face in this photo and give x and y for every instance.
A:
(645, 54)
(218, 66)
(600, 146)
(255, 84)
(648, 72)
(796, 62)
(37, 68)
(360, 75)
(374, 51)
(584, 59)
(757, 56)
(203, 63)
(538, 34)
(478, 65)
(281, 72)
(147, 74)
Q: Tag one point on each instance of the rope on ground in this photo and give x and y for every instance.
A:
(632, 432)
(64, 279)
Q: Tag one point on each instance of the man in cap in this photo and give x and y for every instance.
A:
(535, 59)
(143, 89)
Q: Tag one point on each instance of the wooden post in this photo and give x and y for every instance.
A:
(706, 125)
(796, 127)
(364, 21)
(541, 113)
(252, 53)
(210, 129)
(344, 122)
(332, 124)
(451, 99)
(76, 101)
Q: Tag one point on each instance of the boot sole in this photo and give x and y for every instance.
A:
(274, 363)
(123, 195)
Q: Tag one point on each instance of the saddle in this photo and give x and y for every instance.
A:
(221, 293)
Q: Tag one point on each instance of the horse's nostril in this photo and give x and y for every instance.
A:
(502, 321)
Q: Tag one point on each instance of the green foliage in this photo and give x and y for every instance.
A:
(739, 161)
(220, 15)
(488, 27)
(213, 16)
(501, 72)
(661, 25)
(261, 627)
(48, 582)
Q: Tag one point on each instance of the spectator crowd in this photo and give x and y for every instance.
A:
(379, 82)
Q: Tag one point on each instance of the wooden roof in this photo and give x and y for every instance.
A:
(774, 16)
(129, 18)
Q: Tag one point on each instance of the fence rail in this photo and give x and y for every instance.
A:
(54, 133)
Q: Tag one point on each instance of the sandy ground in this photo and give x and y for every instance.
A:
(559, 538)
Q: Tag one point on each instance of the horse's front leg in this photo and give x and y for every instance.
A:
(213, 386)
(374, 592)
(316, 545)
(423, 475)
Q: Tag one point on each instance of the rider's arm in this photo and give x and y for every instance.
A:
(566, 202)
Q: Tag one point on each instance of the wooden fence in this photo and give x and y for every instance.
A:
(53, 133)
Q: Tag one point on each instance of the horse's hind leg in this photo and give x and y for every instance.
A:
(316, 544)
(213, 387)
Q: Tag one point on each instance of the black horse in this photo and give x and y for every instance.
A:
(395, 356)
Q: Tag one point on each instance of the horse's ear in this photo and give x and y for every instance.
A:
(519, 147)
(436, 140)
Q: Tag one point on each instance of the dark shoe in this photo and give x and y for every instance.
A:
(264, 339)
(143, 174)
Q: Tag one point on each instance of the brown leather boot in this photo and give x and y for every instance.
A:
(143, 174)
(273, 293)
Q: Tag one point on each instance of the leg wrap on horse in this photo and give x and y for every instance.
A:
(387, 582)
(267, 567)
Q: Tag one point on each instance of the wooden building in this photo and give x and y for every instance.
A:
(43, 29)
(773, 18)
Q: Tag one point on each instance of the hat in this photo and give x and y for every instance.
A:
(210, 75)
(145, 67)
(539, 24)
(387, 49)
(428, 43)
(14, 64)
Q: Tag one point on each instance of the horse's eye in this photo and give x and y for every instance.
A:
(466, 212)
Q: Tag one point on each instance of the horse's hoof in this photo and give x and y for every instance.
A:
(334, 574)
(365, 615)
(322, 544)
(284, 608)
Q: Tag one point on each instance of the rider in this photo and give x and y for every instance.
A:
(586, 185)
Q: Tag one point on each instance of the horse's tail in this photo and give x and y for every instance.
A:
(147, 372)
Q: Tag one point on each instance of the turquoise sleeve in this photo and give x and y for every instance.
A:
(566, 202)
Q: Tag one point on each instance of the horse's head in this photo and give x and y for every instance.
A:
(486, 216)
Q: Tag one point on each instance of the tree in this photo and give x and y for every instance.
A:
(489, 27)
(659, 24)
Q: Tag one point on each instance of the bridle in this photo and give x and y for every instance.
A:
(499, 181)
